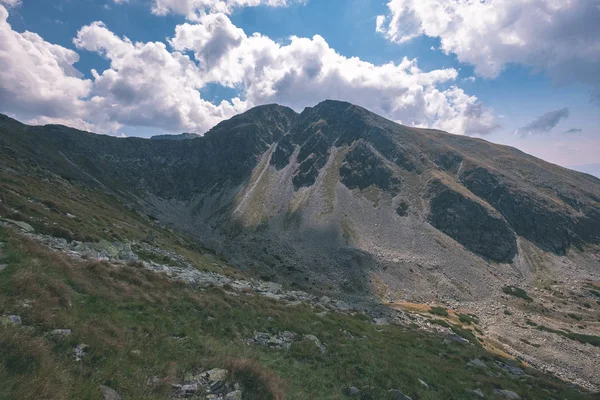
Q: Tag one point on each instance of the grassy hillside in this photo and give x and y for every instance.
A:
(145, 333)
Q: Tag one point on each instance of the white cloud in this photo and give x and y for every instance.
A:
(560, 37)
(121, 1)
(159, 84)
(194, 9)
(147, 85)
(37, 78)
(10, 3)
(307, 70)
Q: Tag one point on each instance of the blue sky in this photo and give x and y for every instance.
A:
(505, 84)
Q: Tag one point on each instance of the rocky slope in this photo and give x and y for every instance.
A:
(340, 202)
(340, 195)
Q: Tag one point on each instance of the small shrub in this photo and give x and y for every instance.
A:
(439, 311)
(517, 292)
(530, 322)
(574, 316)
(468, 319)
(506, 312)
(440, 322)
(259, 383)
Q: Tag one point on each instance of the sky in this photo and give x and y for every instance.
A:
(524, 73)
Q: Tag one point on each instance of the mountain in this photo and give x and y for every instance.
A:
(181, 136)
(338, 194)
(592, 169)
(272, 221)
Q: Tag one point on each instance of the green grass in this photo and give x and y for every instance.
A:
(140, 325)
(516, 292)
(118, 310)
(441, 311)
(468, 319)
(593, 340)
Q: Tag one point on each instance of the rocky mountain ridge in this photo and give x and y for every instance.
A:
(340, 194)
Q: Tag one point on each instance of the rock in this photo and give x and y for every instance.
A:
(187, 390)
(507, 394)
(476, 393)
(471, 222)
(216, 375)
(3, 266)
(476, 362)
(81, 351)
(282, 340)
(23, 225)
(351, 391)
(396, 394)
(425, 385)
(317, 342)
(109, 393)
(136, 353)
(60, 332)
(235, 395)
(511, 369)
(380, 321)
(458, 339)
(14, 319)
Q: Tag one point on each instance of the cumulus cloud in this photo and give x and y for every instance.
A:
(37, 77)
(545, 122)
(561, 38)
(307, 70)
(159, 84)
(194, 9)
(147, 85)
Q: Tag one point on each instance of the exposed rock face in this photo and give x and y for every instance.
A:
(362, 168)
(468, 221)
(328, 197)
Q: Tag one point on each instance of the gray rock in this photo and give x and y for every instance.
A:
(283, 340)
(425, 385)
(458, 339)
(235, 395)
(23, 225)
(81, 350)
(476, 362)
(60, 332)
(507, 394)
(352, 391)
(476, 393)
(317, 342)
(109, 393)
(511, 369)
(396, 394)
(216, 375)
(15, 319)
(380, 321)
(3, 266)
(187, 390)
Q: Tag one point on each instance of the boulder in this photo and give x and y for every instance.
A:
(507, 394)
(109, 393)
(351, 391)
(395, 394)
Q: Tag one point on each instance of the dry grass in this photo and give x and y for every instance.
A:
(260, 383)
